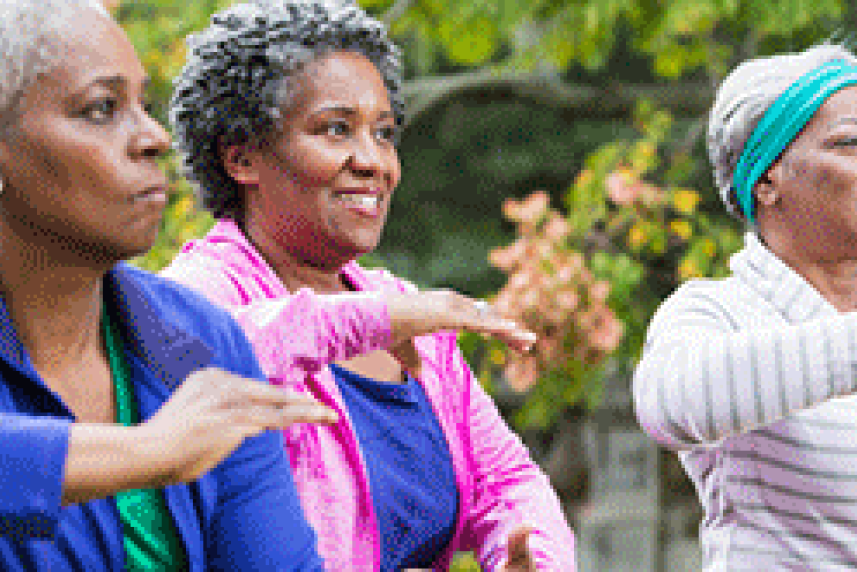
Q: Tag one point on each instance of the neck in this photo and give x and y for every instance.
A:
(833, 275)
(55, 305)
(297, 269)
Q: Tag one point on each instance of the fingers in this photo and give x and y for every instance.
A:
(253, 402)
(487, 321)
(282, 417)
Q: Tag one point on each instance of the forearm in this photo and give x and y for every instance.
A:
(699, 387)
(295, 333)
(105, 459)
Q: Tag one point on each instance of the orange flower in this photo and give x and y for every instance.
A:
(567, 299)
(548, 348)
(523, 373)
(621, 187)
(650, 194)
(569, 266)
(519, 280)
(528, 211)
(512, 209)
(506, 258)
(599, 291)
(557, 227)
(608, 333)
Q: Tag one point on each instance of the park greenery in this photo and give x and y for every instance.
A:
(554, 163)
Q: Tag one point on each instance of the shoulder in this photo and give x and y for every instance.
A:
(180, 308)
(716, 302)
(376, 278)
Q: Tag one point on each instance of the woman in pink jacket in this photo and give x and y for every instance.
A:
(286, 114)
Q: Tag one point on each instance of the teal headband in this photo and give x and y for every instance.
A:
(782, 122)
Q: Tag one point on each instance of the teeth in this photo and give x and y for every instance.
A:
(367, 201)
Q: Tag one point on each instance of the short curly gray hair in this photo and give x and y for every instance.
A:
(744, 97)
(31, 34)
(235, 81)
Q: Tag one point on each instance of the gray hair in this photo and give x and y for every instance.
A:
(235, 81)
(744, 96)
(30, 45)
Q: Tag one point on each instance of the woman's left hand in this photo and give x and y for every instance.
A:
(520, 558)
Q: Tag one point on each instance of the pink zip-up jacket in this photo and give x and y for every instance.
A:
(296, 335)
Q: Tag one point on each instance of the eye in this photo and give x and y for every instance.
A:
(337, 129)
(101, 111)
(388, 133)
(847, 142)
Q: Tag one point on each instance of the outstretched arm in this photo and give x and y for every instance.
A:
(700, 381)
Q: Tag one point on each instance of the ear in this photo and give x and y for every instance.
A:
(242, 163)
(767, 189)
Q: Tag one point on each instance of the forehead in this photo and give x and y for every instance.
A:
(342, 78)
(840, 108)
(90, 46)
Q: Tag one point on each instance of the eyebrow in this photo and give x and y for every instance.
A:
(117, 82)
(350, 111)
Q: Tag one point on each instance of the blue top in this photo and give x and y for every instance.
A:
(410, 469)
(242, 515)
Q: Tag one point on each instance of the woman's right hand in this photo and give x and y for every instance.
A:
(214, 411)
(430, 311)
(205, 420)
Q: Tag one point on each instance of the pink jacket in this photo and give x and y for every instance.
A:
(296, 335)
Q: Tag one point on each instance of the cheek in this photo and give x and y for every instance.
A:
(311, 168)
(74, 165)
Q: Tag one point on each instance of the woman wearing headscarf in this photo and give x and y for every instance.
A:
(287, 114)
(132, 433)
(751, 378)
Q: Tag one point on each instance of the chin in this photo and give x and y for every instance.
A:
(363, 247)
(127, 247)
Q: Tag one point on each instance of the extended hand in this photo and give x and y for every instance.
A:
(429, 311)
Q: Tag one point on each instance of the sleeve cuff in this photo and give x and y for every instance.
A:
(31, 474)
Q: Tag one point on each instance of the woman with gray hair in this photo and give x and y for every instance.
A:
(287, 114)
(751, 379)
(133, 425)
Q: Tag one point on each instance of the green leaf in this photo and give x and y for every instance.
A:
(470, 43)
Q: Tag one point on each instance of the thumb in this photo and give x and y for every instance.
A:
(406, 354)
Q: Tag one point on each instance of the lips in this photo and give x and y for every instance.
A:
(157, 194)
(366, 202)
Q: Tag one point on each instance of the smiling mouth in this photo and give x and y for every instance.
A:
(365, 201)
(153, 194)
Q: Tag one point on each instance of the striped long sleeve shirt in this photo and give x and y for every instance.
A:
(750, 379)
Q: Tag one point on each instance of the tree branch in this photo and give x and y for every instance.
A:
(396, 11)
(685, 98)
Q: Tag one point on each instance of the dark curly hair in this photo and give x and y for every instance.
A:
(235, 80)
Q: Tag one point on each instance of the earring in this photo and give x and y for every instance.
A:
(1, 185)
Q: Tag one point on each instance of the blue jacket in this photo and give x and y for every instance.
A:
(243, 515)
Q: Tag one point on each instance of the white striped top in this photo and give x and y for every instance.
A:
(749, 379)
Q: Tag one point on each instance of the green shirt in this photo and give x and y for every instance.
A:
(151, 540)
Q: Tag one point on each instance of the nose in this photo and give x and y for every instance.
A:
(150, 139)
(367, 158)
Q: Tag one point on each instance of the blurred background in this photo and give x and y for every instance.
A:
(554, 163)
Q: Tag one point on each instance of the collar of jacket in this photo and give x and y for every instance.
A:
(765, 273)
(167, 350)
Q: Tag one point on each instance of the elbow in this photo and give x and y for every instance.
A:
(668, 423)
(650, 416)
